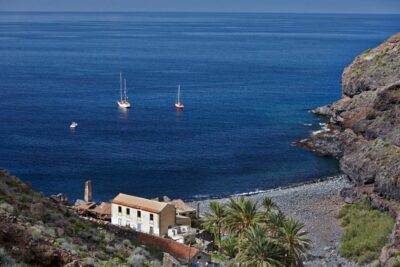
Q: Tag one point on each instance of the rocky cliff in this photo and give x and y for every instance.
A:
(364, 126)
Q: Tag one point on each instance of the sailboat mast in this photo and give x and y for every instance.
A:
(120, 84)
(179, 94)
(125, 89)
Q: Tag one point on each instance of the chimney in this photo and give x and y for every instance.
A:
(88, 191)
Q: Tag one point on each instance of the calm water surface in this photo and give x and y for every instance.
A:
(247, 83)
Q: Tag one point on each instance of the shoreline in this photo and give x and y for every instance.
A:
(263, 191)
(316, 204)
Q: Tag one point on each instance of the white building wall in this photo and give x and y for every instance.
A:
(141, 224)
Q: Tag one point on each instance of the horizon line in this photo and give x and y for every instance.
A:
(199, 12)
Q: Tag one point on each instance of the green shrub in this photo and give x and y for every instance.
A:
(70, 247)
(136, 260)
(126, 242)
(156, 263)
(120, 255)
(6, 207)
(110, 249)
(366, 232)
(90, 261)
(56, 244)
(6, 260)
(36, 232)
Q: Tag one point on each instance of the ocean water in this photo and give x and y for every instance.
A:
(248, 81)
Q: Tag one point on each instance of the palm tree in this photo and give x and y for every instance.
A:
(230, 247)
(259, 250)
(294, 240)
(274, 222)
(268, 204)
(213, 219)
(241, 215)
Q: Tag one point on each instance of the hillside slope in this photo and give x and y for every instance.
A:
(35, 231)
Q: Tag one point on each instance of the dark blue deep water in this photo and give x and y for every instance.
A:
(248, 81)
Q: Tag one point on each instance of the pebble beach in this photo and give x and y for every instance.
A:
(315, 204)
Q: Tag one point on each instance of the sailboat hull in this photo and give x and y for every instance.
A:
(179, 106)
(124, 104)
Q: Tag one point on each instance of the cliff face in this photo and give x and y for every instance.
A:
(364, 126)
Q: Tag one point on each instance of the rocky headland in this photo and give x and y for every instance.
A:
(363, 131)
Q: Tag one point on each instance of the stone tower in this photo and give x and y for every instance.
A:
(88, 191)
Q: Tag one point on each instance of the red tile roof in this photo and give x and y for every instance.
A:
(181, 206)
(103, 208)
(139, 203)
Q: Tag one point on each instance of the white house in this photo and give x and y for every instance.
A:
(143, 215)
(182, 234)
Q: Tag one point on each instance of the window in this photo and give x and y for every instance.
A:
(128, 223)
(119, 209)
(139, 214)
(119, 221)
(128, 211)
(151, 230)
(151, 217)
(139, 227)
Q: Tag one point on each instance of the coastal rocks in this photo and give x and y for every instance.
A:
(325, 143)
(324, 110)
(330, 143)
(365, 124)
(349, 195)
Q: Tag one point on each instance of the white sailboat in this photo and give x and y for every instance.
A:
(73, 125)
(123, 102)
(178, 104)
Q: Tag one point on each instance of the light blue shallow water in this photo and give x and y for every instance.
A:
(247, 83)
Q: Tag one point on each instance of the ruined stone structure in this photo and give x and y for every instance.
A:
(88, 191)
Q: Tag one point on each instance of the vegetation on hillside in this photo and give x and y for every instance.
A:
(255, 235)
(39, 232)
(7, 261)
(366, 232)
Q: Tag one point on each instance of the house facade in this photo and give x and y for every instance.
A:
(183, 234)
(143, 215)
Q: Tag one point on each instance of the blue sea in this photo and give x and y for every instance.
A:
(248, 82)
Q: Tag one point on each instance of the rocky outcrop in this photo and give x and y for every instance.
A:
(363, 131)
(373, 69)
(364, 126)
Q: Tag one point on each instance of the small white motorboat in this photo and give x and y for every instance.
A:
(73, 125)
